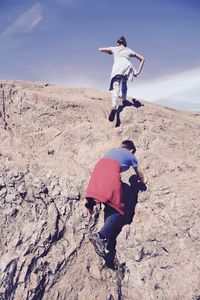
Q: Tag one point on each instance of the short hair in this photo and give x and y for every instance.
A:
(128, 144)
(122, 41)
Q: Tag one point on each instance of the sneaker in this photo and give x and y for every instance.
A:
(99, 244)
(126, 103)
(112, 115)
(110, 260)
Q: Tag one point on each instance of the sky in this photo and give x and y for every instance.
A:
(57, 41)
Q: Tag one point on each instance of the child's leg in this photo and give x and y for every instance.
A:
(115, 94)
(112, 241)
(124, 88)
(113, 223)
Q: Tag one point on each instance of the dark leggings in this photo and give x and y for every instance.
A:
(113, 223)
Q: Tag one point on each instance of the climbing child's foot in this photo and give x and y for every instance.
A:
(99, 244)
(112, 115)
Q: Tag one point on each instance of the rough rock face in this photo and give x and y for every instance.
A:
(51, 137)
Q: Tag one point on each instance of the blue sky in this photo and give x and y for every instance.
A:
(56, 41)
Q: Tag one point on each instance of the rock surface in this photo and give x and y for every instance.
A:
(51, 137)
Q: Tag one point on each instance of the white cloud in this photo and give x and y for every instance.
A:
(183, 86)
(25, 22)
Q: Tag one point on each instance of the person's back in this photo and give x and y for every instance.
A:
(123, 157)
(105, 181)
(122, 52)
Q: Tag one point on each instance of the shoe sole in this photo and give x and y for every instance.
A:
(96, 248)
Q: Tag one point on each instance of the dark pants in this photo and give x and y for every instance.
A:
(113, 223)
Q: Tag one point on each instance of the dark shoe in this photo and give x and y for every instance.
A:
(90, 203)
(126, 103)
(112, 115)
(110, 261)
(99, 244)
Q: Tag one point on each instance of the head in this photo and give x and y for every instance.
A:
(129, 145)
(122, 41)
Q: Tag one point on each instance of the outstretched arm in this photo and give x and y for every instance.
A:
(140, 174)
(106, 50)
(141, 59)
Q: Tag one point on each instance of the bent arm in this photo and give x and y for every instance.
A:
(142, 60)
(106, 50)
(140, 174)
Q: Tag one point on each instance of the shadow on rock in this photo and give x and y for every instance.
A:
(136, 103)
(130, 197)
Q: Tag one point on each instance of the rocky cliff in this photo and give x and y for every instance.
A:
(51, 137)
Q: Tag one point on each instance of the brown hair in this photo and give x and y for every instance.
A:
(128, 144)
(122, 41)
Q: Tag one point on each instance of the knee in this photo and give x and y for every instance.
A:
(116, 85)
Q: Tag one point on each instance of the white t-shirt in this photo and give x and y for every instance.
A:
(122, 65)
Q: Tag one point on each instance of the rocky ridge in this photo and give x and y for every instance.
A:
(51, 137)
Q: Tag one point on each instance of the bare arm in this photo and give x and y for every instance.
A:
(106, 50)
(140, 174)
(142, 60)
